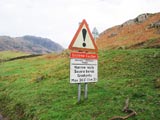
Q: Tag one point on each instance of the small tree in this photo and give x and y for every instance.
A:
(95, 33)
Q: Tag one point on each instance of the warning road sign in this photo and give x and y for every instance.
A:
(83, 39)
(83, 67)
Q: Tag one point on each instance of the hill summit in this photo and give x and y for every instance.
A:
(140, 32)
(29, 44)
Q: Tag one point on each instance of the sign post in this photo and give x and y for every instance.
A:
(85, 91)
(84, 63)
(79, 92)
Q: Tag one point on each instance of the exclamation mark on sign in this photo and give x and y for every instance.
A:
(84, 32)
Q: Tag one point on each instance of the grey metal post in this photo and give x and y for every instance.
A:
(79, 92)
(86, 90)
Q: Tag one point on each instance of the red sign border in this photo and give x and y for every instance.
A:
(76, 35)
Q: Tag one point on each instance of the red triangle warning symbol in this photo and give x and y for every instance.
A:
(83, 39)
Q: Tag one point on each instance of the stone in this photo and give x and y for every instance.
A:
(112, 35)
(138, 19)
(129, 22)
(141, 18)
(155, 25)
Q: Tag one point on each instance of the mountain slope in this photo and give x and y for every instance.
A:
(29, 44)
(140, 32)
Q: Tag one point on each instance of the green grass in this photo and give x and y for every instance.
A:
(39, 89)
(4, 55)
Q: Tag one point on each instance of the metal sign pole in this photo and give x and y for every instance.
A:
(85, 90)
(79, 92)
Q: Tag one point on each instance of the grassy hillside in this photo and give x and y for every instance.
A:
(39, 89)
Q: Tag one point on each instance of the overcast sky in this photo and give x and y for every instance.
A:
(59, 19)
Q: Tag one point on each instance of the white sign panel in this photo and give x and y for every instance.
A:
(83, 70)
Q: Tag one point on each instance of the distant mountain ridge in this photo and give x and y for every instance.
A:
(140, 32)
(29, 44)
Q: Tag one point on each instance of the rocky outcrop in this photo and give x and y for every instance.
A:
(155, 24)
(140, 32)
(138, 19)
(112, 34)
(129, 22)
(142, 17)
